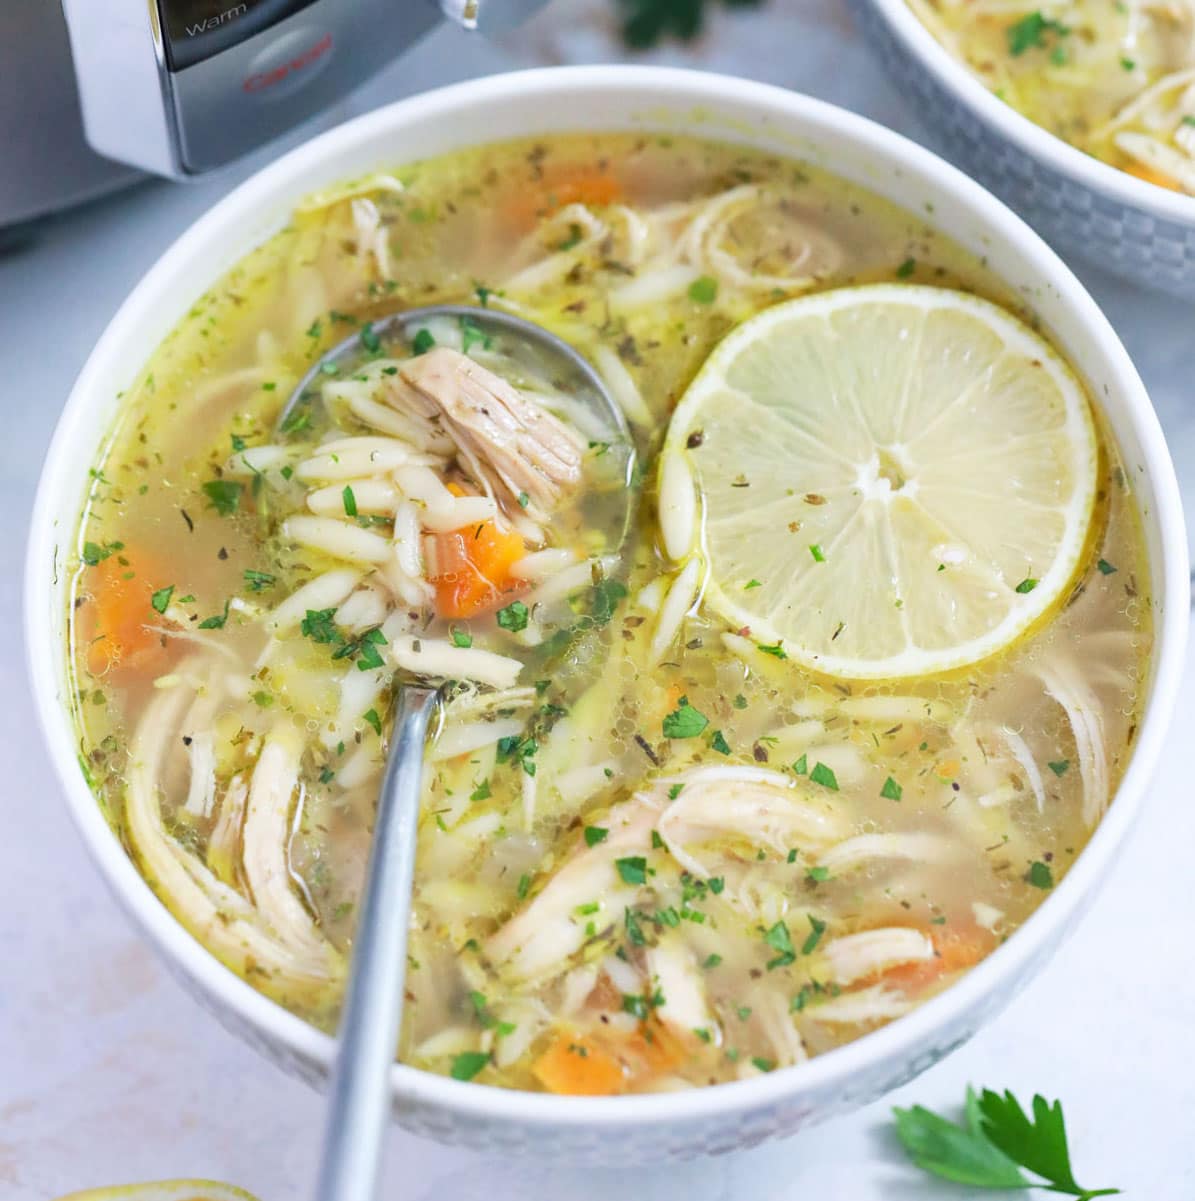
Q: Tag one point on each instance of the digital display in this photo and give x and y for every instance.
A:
(197, 29)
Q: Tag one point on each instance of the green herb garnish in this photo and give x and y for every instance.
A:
(996, 1140)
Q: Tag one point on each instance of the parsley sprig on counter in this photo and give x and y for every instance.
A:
(995, 1145)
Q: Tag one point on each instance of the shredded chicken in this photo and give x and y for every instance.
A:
(516, 449)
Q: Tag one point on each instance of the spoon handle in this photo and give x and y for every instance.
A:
(372, 1014)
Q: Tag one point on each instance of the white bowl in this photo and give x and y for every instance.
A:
(703, 1120)
(1112, 219)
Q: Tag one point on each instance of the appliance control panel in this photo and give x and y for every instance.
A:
(178, 87)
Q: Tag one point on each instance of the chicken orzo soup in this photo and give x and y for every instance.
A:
(1116, 79)
(702, 802)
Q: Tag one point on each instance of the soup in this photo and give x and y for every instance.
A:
(1115, 80)
(656, 850)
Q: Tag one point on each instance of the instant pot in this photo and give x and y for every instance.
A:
(94, 93)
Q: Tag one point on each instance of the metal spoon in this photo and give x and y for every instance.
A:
(372, 1015)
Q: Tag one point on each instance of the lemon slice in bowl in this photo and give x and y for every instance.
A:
(894, 480)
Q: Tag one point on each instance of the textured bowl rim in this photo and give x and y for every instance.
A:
(1025, 134)
(894, 1044)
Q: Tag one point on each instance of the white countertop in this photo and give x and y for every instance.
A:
(110, 1073)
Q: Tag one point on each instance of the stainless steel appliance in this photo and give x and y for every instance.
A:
(94, 92)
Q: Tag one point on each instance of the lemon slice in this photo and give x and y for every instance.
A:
(894, 480)
(165, 1190)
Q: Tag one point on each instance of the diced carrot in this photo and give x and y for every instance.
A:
(659, 1046)
(580, 184)
(115, 620)
(955, 950)
(575, 1065)
(1154, 176)
(471, 569)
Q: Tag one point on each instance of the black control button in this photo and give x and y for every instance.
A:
(195, 30)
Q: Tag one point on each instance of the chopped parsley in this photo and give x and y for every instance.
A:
(481, 792)
(216, 622)
(740, 701)
(595, 834)
(423, 341)
(94, 553)
(817, 874)
(819, 555)
(824, 776)
(719, 743)
(632, 869)
(224, 495)
(1039, 875)
(906, 269)
(1030, 32)
(1059, 766)
(257, 580)
(751, 584)
(816, 930)
(472, 335)
(1026, 585)
(703, 290)
(462, 638)
(370, 339)
(775, 649)
(684, 721)
(371, 716)
(468, 1063)
(513, 617)
(524, 886)
(160, 601)
(318, 626)
(780, 940)
(350, 501)
(1105, 567)
(891, 791)
(801, 767)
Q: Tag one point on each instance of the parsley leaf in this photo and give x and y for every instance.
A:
(161, 599)
(942, 1148)
(1037, 1143)
(684, 721)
